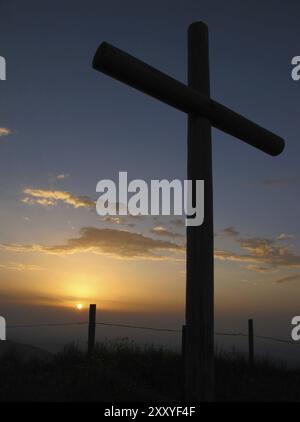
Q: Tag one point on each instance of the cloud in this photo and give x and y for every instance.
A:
(279, 182)
(118, 220)
(4, 131)
(62, 176)
(117, 243)
(113, 220)
(269, 252)
(228, 232)
(260, 269)
(259, 247)
(16, 266)
(162, 231)
(288, 278)
(284, 236)
(177, 222)
(53, 197)
(263, 254)
(223, 255)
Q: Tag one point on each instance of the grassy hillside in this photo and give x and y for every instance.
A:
(123, 371)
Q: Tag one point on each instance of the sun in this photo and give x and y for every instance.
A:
(79, 306)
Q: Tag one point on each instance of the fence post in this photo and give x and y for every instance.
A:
(92, 329)
(183, 357)
(251, 342)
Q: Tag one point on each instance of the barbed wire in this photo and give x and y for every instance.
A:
(231, 334)
(47, 325)
(279, 340)
(141, 327)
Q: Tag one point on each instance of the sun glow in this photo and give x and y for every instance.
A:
(79, 306)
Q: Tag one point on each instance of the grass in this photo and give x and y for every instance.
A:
(123, 371)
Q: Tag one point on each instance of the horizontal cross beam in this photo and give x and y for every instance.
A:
(134, 72)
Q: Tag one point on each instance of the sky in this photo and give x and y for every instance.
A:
(64, 127)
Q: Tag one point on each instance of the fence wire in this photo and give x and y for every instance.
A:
(141, 327)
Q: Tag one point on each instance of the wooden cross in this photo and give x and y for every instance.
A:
(203, 113)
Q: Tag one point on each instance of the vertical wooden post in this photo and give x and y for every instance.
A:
(92, 329)
(183, 359)
(199, 380)
(251, 342)
(183, 343)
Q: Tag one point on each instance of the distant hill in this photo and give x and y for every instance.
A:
(23, 352)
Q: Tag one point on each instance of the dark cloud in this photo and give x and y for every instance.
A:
(288, 278)
(280, 181)
(228, 232)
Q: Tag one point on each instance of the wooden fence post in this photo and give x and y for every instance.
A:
(251, 343)
(183, 358)
(92, 329)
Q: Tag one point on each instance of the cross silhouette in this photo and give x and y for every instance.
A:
(203, 113)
